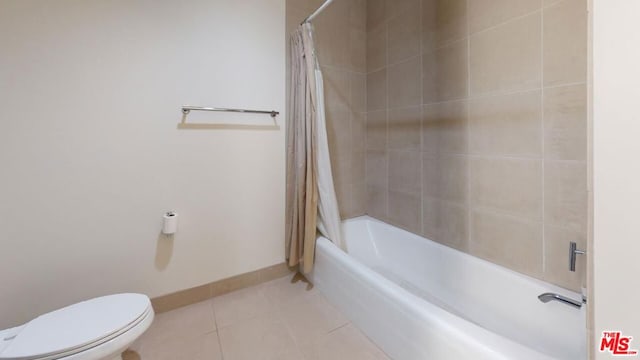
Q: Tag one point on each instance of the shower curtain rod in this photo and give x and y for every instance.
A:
(317, 12)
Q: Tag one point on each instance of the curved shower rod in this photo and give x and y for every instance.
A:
(317, 12)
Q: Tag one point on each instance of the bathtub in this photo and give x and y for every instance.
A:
(417, 299)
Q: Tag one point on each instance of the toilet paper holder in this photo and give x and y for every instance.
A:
(170, 223)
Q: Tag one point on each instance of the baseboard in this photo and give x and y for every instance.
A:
(204, 292)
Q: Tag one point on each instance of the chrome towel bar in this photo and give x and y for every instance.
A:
(187, 108)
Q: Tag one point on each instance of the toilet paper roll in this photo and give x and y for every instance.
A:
(170, 224)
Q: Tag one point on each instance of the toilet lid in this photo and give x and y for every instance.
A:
(76, 326)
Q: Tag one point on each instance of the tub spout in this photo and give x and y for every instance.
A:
(546, 297)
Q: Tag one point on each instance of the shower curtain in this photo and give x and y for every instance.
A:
(311, 203)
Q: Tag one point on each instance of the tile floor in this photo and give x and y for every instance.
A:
(279, 320)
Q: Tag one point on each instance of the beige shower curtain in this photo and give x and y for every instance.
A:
(311, 203)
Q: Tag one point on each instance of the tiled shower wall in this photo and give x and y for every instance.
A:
(476, 127)
(340, 35)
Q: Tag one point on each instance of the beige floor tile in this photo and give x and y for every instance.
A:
(201, 347)
(310, 316)
(241, 305)
(345, 343)
(189, 321)
(286, 289)
(262, 337)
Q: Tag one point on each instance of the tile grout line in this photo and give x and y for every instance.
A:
(470, 232)
(542, 139)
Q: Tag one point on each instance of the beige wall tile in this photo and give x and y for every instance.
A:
(358, 14)
(506, 125)
(377, 168)
(337, 90)
(565, 43)
(565, 195)
(565, 123)
(332, 35)
(377, 48)
(445, 73)
(376, 13)
(358, 50)
(507, 57)
(446, 223)
(404, 127)
(343, 195)
(444, 128)
(396, 7)
(404, 171)
(358, 166)
(507, 241)
(404, 83)
(377, 129)
(359, 198)
(510, 185)
(377, 90)
(358, 88)
(556, 270)
(404, 36)
(405, 211)
(443, 21)
(358, 131)
(377, 201)
(445, 177)
(486, 13)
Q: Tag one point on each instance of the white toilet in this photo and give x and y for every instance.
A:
(96, 329)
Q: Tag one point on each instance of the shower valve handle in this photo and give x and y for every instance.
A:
(573, 251)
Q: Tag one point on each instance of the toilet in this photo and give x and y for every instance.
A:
(96, 329)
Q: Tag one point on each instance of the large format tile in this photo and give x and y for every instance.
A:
(241, 305)
(377, 129)
(403, 36)
(377, 48)
(377, 168)
(508, 241)
(404, 171)
(565, 195)
(377, 90)
(565, 43)
(445, 222)
(445, 73)
(404, 83)
(404, 127)
(509, 125)
(487, 13)
(507, 58)
(443, 21)
(345, 343)
(445, 177)
(263, 337)
(513, 186)
(377, 201)
(194, 347)
(405, 210)
(565, 123)
(189, 321)
(310, 316)
(444, 128)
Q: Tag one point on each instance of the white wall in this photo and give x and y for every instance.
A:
(91, 155)
(616, 145)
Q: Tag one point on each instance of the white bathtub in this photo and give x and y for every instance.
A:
(417, 299)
